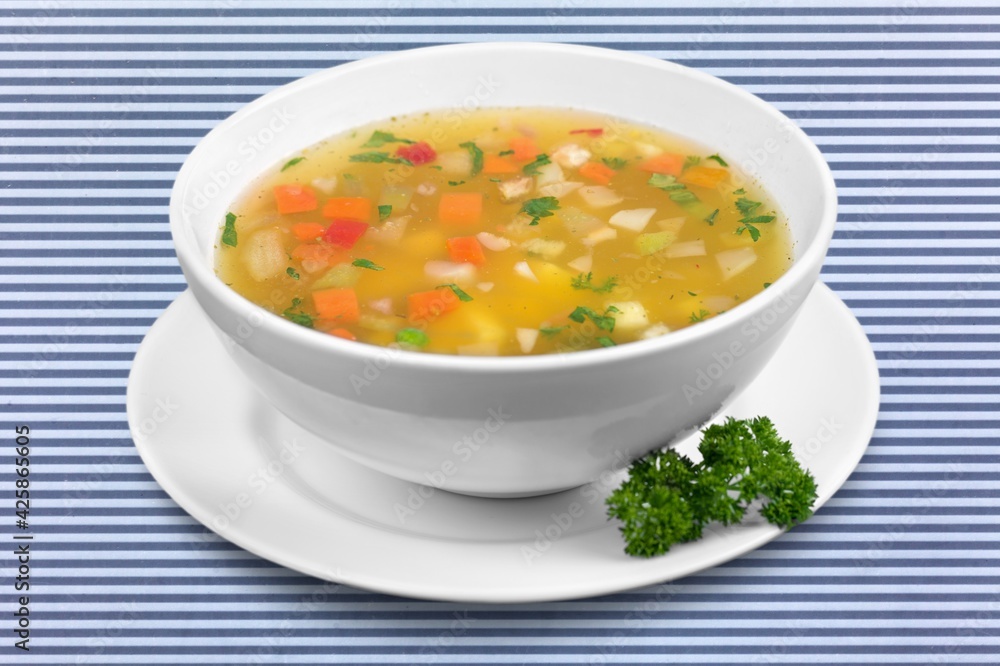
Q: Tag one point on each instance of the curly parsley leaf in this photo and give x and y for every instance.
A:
(616, 163)
(698, 316)
(603, 321)
(384, 211)
(296, 316)
(531, 168)
(229, 236)
(539, 208)
(292, 273)
(476, 153)
(586, 281)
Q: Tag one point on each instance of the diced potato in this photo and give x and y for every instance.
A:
(493, 242)
(264, 255)
(672, 224)
(655, 331)
(654, 242)
(448, 271)
(338, 277)
(455, 163)
(577, 222)
(599, 236)
(631, 315)
(695, 248)
(559, 190)
(582, 264)
(325, 185)
(549, 174)
(514, 188)
(524, 270)
(546, 249)
(526, 338)
(635, 219)
(571, 156)
(390, 231)
(733, 262)
(598, 196)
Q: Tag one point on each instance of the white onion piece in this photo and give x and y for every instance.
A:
(734, 262)
(383, 305)
(526, 337)
(655, 331)
(325, 185)
(456, 163)
(558, 190)
(598, 196)
(265, 255)
(599, 236)
(719, 303)
(514, 188)
(546, 249)
(582, 264)
(630, 316)
(390, 231)
(548, 174)
(491, 242)
(577, 222)
(485, 286)
(571, 156)
(524, 270)
(695, 248)
(426, 189)
(448, 271)
(672, 224)
(635, 219)
(480, 349)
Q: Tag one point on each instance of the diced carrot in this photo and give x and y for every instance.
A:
(316, 255)
(426, 305)
(343, 333)
(337, 305)
(597, 172)
(294, 199)
(351, 208)
(307, 231)
(467, 249)
(494, 164)
(590, 131)
(524, 147)
(344, 233)
(460, 208)
(704, 176)
(669, 163)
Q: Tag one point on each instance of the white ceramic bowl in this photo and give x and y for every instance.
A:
(505, 426)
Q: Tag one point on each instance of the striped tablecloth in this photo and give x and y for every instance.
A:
(101, 101)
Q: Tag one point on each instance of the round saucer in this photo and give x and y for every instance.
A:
(248, 473)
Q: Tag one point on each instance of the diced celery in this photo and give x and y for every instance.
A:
(654, 242)
(338, 277)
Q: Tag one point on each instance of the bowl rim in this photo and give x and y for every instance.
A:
(196, 269)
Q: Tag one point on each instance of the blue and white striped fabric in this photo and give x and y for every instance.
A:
(101, 101)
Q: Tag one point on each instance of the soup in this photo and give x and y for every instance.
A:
(502, 232)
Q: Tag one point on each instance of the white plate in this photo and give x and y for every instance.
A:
(208, 438)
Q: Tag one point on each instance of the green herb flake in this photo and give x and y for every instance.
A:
(477, 157)
(496, 180)
(292, 162)
(296, 316)
(367, 263)
(456, 183)
(292, 273)
(711, 217)
(767, 284)
(692, 160)
(531, 168)
(539, 208)
(587, 282)
(669, 499)
(665, 182)
(549, 331)
(739, 191)
(375, 157)
(229, 236)
(437, 167)
(698, 316)
(504, 153)
(384, 212)
(718, 159)
(616, 163)
(412, 337)
(462, 295)
(606, 341)
(602, 321)
(691, 293)
(379, 139)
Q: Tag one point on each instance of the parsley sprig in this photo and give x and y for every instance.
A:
(379, 139)
(296, 316)
(749, 221)
(669, 499)
(539, 208)
(603, 321)
(586, 281)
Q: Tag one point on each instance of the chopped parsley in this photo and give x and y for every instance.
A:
(379, 158)
(496, 180)
(229, 231)
(616, 163)
(412, 337)
(379, 139)
(384, 212)
(692, 160)
(504, 153)
(539, 208)
(749, 221)
(462, 296)
(603, 321)
(718, 159)
(669, 499)
(477, 157)
(367, 263)
(698, 316)
(711, 217)
(691, 293)
(739, 191)
(531, 168)
(300, 318)
(292, 273)
(766, 285)
(549, 331)
(455, 183)
(665, 182)
(292, 162)
(587, 282)
(605, 341)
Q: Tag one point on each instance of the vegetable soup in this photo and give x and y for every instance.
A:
(502, 232)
